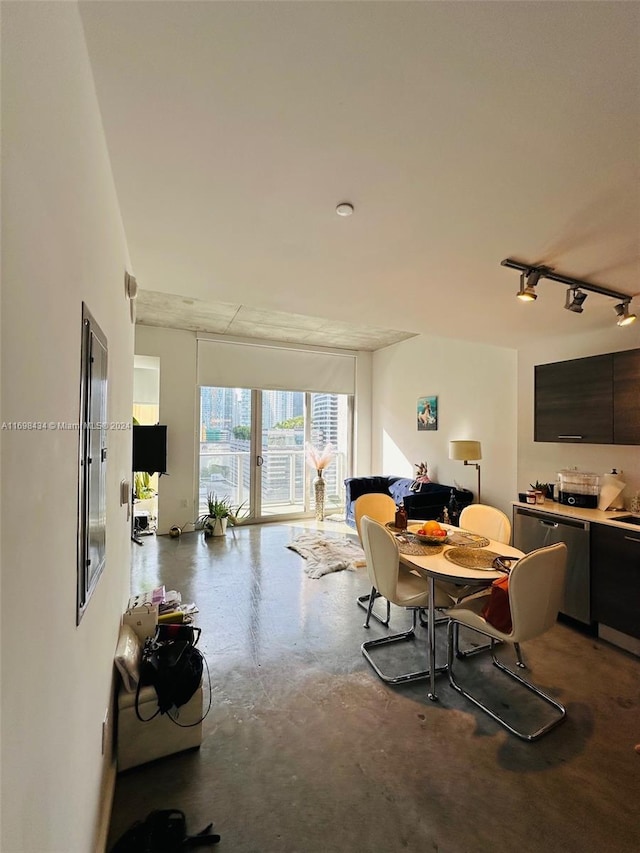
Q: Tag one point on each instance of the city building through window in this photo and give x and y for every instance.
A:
(252, 448)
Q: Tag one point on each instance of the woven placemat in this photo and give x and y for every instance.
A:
(468, 540)
(417, 549)
(471, 558)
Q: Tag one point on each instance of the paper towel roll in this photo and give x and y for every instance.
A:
(611, 493)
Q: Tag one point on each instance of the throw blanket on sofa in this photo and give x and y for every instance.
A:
(325, 554)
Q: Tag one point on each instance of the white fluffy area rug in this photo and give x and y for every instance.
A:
(325, 554)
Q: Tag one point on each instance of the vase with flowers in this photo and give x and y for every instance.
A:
(319, 459)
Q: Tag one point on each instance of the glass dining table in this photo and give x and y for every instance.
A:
(465, 559)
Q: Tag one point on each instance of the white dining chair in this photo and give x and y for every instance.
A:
(536, 589)
(381, 508)
(491, 522)
(399, 586)
(487, 521)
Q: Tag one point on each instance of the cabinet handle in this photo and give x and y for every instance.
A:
(571, 436)
(549, 523)
(632, 539)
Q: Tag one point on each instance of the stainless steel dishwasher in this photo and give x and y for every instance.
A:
(534, 529)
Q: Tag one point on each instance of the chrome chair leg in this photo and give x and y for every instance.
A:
(562, 711)
(485, 647)
(371, 598)
(395, 638)
(367, 602)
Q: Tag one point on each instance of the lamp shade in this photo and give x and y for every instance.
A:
(465, 450)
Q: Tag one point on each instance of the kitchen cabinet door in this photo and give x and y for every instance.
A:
(574, 401)
(615, 578)
(626, 397)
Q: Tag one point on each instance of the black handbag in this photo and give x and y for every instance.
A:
(163, 831)
(173, 666)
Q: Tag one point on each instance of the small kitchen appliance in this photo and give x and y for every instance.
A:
(577, 488)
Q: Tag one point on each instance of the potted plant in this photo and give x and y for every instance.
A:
(142, 486)
(546, 489)
(144, 497)
(220, 513)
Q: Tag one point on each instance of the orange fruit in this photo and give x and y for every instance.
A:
(431, 527)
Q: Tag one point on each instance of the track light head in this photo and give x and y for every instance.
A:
(527, 291)
(624, 318)
(575, 298)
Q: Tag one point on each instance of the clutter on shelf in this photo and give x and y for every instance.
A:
(146, 610)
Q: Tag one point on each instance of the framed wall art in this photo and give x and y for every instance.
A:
(427, 413)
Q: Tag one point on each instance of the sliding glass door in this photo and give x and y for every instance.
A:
(281, 455)
(225, 445)
(252, 448)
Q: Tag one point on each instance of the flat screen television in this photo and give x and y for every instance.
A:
(150, 449)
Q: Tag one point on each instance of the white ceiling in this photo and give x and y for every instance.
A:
(462, 132)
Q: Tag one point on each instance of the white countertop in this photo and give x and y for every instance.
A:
(596, 516)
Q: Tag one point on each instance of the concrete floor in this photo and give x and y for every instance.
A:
(306, 750)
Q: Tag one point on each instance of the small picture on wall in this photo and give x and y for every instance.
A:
(427, 411)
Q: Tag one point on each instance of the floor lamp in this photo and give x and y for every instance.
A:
(467, 452)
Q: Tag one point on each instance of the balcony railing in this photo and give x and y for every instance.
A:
(286, 480)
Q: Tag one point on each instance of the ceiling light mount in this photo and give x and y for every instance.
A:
(345, 208)
(576, 294)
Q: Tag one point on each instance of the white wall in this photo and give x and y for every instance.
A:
(179, 408)
(146, 380)
(477, 399)
(62, 243)
(542, 460)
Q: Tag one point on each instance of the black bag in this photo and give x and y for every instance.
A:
(174, 668)
(163, 831)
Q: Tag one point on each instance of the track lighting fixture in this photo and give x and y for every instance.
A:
(575, 298)
(527, 291)
(624, 318)
(530, 275)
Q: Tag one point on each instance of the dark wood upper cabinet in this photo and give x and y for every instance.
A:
(626, 397)
(593, 400)
(574, 400)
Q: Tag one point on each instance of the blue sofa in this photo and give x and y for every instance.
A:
(428, 502)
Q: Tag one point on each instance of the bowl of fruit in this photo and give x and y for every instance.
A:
(430, 532)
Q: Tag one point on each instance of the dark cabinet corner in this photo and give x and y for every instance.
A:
(626, 397)
(615, 578)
